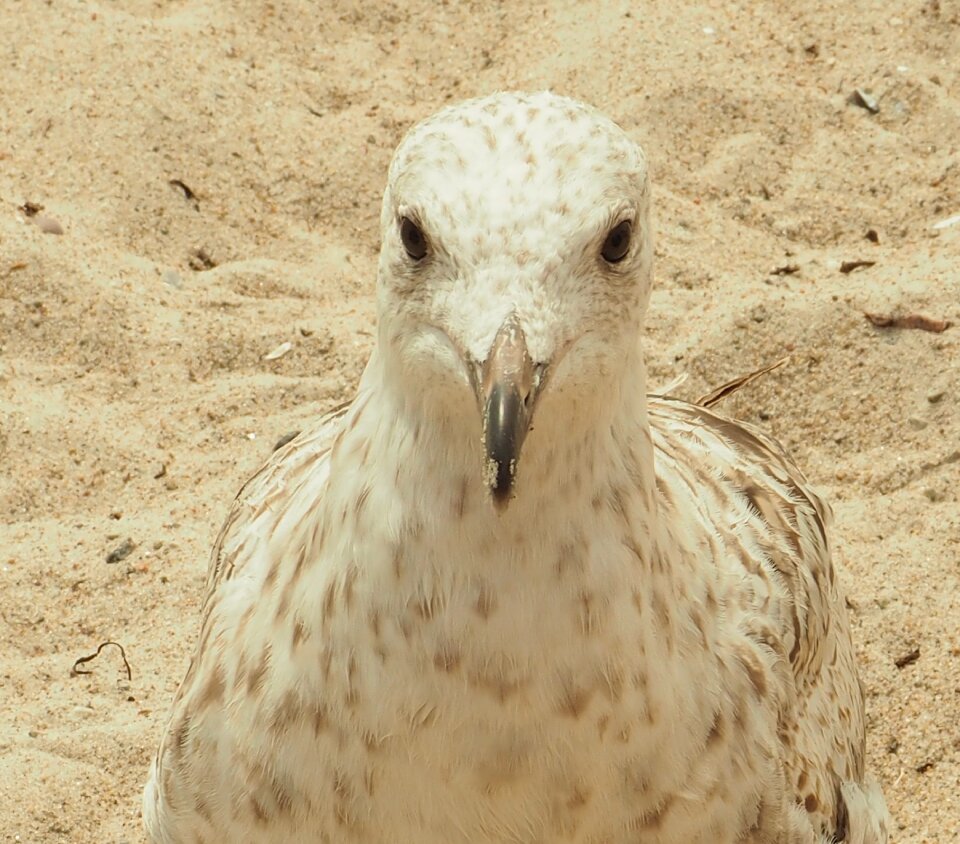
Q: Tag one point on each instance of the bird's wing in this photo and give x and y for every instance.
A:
(753, 498)
(284, 467)
(752, 488)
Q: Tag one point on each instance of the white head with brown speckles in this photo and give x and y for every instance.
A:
(515, 264)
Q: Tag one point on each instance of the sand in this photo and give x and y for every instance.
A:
(216, 169)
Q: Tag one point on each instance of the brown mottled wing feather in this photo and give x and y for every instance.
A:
(756, 497)
(306, 448)
(738, 383)
(251, 519)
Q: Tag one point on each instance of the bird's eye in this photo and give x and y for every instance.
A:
(414, 240)
(617, 244)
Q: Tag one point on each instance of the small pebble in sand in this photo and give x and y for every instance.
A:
(907, 658)
(946, 223)
(278, 352)
(864, 99)
(121, 552)
(172, 278)
(47, 224)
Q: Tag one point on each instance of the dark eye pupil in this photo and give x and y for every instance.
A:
(413, 239)
(617, 244)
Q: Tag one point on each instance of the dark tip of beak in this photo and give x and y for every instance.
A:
(505, 423)
(506, 389)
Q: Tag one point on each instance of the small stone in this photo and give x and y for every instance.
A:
(172, 278)
(947, 222)
(907, 658)
(47, 224)
(864, 99)
(121, 552)
(200, 260)
(935, 395)
(917, 423)
(279, 352)
(887, 597)
(933, 495)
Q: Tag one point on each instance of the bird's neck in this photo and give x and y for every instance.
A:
(576, 471)
(409, 561)
(420, 541)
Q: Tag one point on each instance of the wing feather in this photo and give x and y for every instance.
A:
(753, 495)
(286, 462)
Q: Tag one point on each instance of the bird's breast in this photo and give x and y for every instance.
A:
(529, 692)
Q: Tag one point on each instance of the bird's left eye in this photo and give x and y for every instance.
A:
(617, 244)
(414, 240)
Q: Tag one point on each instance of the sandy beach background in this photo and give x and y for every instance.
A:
(210, 176)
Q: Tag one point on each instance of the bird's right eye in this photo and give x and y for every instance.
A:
(413, 238)
(617, 244)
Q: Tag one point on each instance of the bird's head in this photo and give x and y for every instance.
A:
(514, 268)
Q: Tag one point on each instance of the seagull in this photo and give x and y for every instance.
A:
(504, 595)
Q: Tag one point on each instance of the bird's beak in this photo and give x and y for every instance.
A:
(507, 386)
